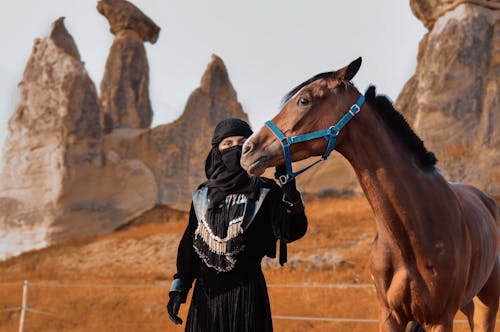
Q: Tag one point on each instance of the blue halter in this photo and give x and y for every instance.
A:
(329, 134)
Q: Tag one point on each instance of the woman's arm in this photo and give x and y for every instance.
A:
(187, 269)
(187, 259)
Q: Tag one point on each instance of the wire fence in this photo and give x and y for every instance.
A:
(25, 307)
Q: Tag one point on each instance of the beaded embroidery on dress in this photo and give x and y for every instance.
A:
(219, 235)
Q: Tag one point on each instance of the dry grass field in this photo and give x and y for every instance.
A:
(120, 282)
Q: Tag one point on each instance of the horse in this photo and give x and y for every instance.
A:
(436, 250)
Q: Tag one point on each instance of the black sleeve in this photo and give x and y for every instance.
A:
(187, 259)
(287, 226)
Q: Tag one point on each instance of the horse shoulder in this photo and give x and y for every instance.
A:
(475, 200)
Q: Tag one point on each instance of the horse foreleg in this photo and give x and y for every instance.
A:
(486, 303)
(389, 323)
(468, 311)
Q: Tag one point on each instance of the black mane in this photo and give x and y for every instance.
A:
(290, 94)
(400, 127)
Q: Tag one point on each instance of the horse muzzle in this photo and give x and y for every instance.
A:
(254, 159)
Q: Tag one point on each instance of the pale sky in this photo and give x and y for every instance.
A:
(268, 46)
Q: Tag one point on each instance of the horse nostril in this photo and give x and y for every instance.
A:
(247, 147)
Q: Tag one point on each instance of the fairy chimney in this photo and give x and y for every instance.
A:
(57, 182)
(124, 93)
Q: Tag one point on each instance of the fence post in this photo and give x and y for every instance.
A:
(24, 306)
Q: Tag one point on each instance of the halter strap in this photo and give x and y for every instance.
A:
(329, 134)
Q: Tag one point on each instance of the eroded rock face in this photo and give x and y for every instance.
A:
(57, 180)
(453, 99)
(429, 11)
(57, 107)
(176, 152)
(124, 90)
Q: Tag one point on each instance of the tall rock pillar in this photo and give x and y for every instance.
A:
(124, 94)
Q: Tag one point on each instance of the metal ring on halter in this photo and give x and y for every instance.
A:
(283, 178)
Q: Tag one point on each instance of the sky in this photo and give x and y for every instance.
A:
(268, 46)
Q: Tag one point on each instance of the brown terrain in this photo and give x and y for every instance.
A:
(120, 282)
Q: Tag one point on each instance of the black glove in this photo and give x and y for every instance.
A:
(178, 295)
(173, 305)
(291, 195)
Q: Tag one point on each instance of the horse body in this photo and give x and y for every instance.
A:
(437, 244)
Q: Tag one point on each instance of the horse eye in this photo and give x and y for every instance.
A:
(303, 101)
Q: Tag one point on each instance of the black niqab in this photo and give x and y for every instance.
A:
(222, 168)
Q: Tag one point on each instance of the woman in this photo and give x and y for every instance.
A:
(235, 220)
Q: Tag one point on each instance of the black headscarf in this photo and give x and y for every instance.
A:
(224, 173)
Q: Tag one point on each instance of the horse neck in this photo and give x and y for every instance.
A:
(388, 173)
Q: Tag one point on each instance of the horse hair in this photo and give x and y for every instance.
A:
(400, 127)
(290, 94)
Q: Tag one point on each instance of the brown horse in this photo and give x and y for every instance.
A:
(437, 244)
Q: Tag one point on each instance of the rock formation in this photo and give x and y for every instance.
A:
(176, 152)
(122, 15)
(63, 177)
(57, 181)
(124, 94)
(453, 99)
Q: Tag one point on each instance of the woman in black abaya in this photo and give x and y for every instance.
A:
(235, 220)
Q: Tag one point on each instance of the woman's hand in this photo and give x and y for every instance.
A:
(291, 196)
(173, 305)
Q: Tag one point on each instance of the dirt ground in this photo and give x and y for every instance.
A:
(120, 282)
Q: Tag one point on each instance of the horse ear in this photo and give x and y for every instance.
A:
(348, 72)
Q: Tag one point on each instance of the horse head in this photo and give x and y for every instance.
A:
(313, 106)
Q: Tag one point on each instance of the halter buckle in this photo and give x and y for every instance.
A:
(354, 109)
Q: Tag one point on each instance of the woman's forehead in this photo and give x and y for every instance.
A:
(233, 138)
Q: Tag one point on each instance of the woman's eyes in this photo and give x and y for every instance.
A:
(233, 143)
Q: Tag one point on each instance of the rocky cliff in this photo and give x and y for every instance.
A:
(453, 99)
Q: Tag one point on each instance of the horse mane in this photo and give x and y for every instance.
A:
(290, 94)
(398, 125)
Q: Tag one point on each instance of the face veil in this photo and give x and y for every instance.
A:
(222, 168)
